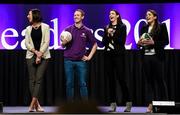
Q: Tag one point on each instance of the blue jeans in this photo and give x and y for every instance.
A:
(80, 68)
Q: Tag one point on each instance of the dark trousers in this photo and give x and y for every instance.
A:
(36, 73)
(155, 85)
(114, 70)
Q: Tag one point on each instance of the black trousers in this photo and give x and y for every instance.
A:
(114, 70)
(154, 81)
(36, 73)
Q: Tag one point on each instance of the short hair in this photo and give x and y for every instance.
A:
(82, 12)
(36, 15)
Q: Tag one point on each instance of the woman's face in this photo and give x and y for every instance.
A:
(113, 16)
(29, 16)
(150, 17)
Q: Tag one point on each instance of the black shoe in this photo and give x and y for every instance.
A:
(113, 107)
(128, 107)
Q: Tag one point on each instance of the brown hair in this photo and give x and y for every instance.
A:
(156, 27)
(119, 20)
(36, 15)
(82, 12)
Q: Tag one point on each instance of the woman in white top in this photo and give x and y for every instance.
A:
(37, 40)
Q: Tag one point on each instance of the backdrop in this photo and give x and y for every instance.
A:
(58, 16)
(13, 71)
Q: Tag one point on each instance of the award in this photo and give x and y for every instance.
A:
(146, 36)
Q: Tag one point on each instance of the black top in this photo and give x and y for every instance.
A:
(117, 39)
(36, 35)
(160, 37)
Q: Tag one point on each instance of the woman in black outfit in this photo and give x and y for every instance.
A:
(114, 40)
(153, 39)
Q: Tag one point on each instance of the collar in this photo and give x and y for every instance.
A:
(82, 26)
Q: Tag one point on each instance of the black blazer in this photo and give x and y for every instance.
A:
(160, 37)
(119, 38)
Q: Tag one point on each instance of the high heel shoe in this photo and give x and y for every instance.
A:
(150, 108)
(113, 107)
(128, 107)
(32, 105)
(31, 110)
(39, 109)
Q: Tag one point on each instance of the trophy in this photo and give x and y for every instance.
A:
(146, 36)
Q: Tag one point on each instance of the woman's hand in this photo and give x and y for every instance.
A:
(148, 42)
(38, 60)
(110, 31)
(140, 42)
(38, 54)
(145, 42)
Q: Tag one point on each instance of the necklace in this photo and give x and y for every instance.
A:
(36, 26)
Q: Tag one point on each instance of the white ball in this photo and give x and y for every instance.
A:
(65, 35)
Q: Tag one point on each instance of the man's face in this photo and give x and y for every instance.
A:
(78, 17)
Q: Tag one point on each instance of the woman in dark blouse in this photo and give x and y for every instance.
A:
(153, 39)
(114, 40)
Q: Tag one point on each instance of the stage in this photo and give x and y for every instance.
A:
(15, 110)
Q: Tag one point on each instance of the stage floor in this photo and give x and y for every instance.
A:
(53, 110)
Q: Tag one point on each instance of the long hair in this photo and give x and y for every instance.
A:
(119, 20)
(156, 26)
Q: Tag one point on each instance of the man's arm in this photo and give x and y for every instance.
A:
(93, 50)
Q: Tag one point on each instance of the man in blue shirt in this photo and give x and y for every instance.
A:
(76, 55)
